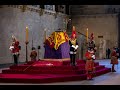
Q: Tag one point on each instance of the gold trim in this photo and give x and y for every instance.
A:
(64, 59)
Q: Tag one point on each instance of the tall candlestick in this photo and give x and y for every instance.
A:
(26, 42)
(87, 35)
(45, 37)
(66, 22)
(26, 34)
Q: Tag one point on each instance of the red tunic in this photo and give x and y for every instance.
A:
(88, 55)
(33, 55)
(16, 47)
(114, 59)
(89, 63)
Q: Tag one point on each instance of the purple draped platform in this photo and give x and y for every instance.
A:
(60, 53)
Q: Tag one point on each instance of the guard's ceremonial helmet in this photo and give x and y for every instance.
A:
(92, 36)
(14, 38)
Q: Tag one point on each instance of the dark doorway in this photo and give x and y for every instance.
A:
(119, 30)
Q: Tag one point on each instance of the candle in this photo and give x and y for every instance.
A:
(45, 37)
(26, 34)
(66, 21)
(87, 35)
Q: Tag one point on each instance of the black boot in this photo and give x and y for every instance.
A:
(113, 70)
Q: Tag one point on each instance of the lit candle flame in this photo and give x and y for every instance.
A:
(87, 35)
(26, 34)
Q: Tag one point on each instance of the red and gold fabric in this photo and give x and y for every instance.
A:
(15, 49)
(89, 62)
(88, 55)
(60, 37)
(50, 40)
(56, 39)
(89, 65)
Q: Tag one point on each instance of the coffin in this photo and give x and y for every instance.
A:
(57, 46)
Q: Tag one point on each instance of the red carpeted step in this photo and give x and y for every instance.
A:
(22, 67)
(96, 63)
(41, 78)
(52, 68)
(26, 78)
(78, 62)
(8, 71)
(99, 67)
(45, 71)
(72, 70)
(59, 71)
(103, 71)
(19, 67)
(55, 63)
(56, 67)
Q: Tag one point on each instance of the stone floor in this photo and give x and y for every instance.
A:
(106, 79)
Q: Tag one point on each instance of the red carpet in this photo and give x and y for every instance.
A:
(48, 71)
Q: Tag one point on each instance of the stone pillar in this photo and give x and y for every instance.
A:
(104, 49)
(119, 30)
(101, 49)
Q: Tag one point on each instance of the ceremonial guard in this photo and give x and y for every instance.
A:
(73, 47)
(114, 59)
(90, 57)
(89, 67)
(91, 46)
(33, 54)
(15, 48)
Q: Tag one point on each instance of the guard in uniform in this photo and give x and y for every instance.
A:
(73, 47)
(114, 59)
(33, 54)
(90, 57)
(89, 67)
(15, 48)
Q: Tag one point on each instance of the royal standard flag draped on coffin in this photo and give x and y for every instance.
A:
(58, 38)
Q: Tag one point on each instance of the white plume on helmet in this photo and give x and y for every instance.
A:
(13, 37)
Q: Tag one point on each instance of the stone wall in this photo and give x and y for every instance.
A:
(105, 25)
(100, 19)
(14, 21)
(94, 9)
(87, 9)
